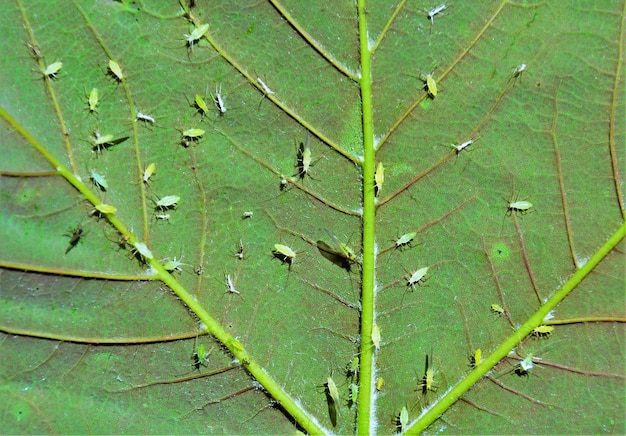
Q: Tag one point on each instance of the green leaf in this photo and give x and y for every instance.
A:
(163, 316)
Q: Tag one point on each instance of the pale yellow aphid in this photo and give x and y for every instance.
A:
(380, 383)
(496, 308)
(200, 105)
(51, 70)
(476, 359)
(193, 133)
(403, 419)
(116, 70)
(167, 202)
(93, 99)
(521, 207)
(352, 369)
(427, 382)
(143, 249)
(543, 331)
(196, 34)
(431, 85)
(99, 139)
(417, 277)
(376, 336)
(148, 172)
(379, 178)
(200, 357)
(333, 394)
(405, 239)
(106, 208)
(354, 394)
(284, 254)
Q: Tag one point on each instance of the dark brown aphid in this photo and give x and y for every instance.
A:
(75, 236)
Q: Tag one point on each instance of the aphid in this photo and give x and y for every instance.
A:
(266, 89)
(75, 236)
(496, 308)
(36, 52)
(283, 183)
(303, 162)
(200, 357)
(247, 215)
(101, 139)
(459, 148)
(143, 249)
(403, 419)
(376, 336)
(345, 249)
(200, 105)
(284, 254)
(173, 265)
(434, 11)
(380, 383)
(104, 141)
(167, 202)
(162, 216)
(417, 277)
(352, 370)
(51, 70)
(93, 99)
(332, 395)
(379, 178)
(116, 70)
(195, 35)
(145, 118)
(218, 99)
(427, 382)
(476, 359)
(525, 365)
(192, 134)
(342, 256)
(353, 393)
(543, 331)
(106, 208)
(98, 180)
(517, 71)
(405, 239)
(148, 172)
(230, 285)
(431, 85)
(521, 206)
(240, 251)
